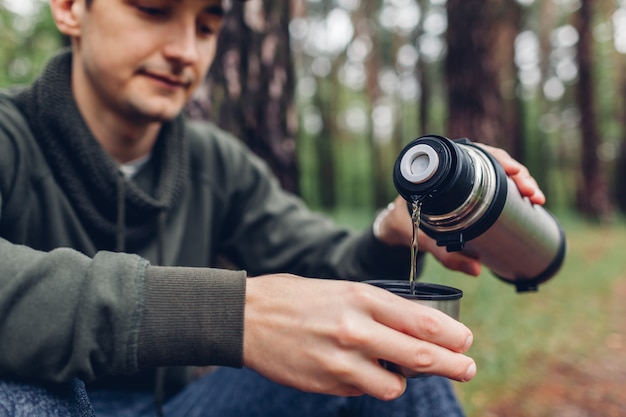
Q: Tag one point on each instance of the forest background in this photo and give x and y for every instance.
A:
(330, 91)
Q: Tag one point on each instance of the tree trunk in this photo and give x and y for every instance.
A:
(537, 154)
(507, 27)
(592, 195)
(474, 69)
(250, 89)
(619, 176)
(373, 64)
(421, 70)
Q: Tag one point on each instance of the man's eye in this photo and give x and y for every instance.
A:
(205, 30)
(209, 26)
(152, 11)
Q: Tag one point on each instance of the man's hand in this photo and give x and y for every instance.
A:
(328, 336)
(396, 229)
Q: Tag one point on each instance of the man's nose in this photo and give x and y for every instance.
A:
(182, 44)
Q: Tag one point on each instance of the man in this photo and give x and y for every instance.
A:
(114, 208)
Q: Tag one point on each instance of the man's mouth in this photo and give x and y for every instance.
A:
(169, 80)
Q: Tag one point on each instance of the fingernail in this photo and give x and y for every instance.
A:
(470, 373)
(468, 343)
(471, 269)
(540, 195)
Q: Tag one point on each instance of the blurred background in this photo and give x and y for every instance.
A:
(329, 92)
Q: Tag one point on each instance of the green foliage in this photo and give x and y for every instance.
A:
(27, 44)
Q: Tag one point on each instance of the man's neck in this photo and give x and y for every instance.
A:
(122, 140)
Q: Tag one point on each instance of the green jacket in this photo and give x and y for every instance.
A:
(69, 308)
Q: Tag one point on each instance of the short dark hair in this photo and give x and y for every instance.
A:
(88, 2)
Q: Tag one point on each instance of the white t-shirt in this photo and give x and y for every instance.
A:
(129, 169)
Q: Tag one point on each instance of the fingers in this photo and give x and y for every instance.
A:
(431, 359)
(412, 336)
(457, 261)
(520, 175)
(418, 321)
(528, 187)
(350, 375)
(372, 379)
(510, 165)
(419, 338)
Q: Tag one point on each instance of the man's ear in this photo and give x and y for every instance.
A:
(67, 15)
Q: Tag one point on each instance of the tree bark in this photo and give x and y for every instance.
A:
(373, 64)
(421, 71)
(592, 194)
(478, 31)
(620, 177)
(250, 89)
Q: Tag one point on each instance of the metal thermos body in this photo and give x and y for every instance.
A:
(469, 204)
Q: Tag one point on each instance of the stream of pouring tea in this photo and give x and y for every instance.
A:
(416, 208)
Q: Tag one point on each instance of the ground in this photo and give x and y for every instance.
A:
(594, 388)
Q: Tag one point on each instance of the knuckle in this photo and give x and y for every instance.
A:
(358, 294)
(430, 326)
(424, 358)
(349, 334)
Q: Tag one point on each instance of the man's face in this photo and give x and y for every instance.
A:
(142, 59)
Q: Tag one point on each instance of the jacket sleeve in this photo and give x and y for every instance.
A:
(64, 314)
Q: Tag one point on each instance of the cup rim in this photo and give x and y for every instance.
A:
(423, 290)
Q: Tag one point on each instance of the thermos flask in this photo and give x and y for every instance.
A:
(469, 204)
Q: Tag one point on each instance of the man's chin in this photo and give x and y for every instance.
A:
(161, 115)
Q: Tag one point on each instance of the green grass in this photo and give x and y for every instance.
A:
(517, 336)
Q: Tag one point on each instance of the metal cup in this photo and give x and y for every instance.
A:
(441, 297)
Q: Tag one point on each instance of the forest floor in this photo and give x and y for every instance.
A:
(595, 387)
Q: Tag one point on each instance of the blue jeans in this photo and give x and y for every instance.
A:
(20, 399)
(234, 393)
